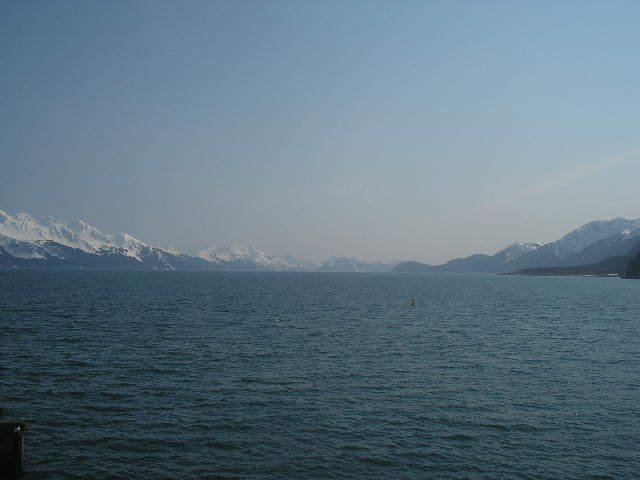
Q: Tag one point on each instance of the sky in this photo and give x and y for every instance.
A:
(387, 130)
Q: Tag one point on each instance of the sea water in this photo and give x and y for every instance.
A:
(318, 376)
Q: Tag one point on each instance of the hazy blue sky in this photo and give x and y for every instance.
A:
(387, 130)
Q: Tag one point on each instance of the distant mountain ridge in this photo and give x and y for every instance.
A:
(28, 242)
(78, 235)
(353, 264)
(253, 258)
(478, 263)
(589, 244)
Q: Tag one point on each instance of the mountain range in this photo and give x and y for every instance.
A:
(591, 243)
(599, 247)
(28, 242)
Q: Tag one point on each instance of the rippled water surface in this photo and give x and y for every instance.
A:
(300, 376)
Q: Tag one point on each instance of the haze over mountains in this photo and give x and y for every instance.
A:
(27, 242)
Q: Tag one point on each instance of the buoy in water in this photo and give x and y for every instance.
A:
(413, 302)
(11, 449)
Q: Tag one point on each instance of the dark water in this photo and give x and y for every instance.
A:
(299, 376)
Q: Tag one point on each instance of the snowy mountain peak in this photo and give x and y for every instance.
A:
(124, 239)
(23, 216)
(335, 260)
(516, 250)
(208, 253)
(173, 250)
(78, 234)
(592, 232)
(351, 264)
(249, 255)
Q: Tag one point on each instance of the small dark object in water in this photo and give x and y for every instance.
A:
(11, 449)
(413, 302)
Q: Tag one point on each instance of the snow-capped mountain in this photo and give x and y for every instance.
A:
(252, 258)
(29, 242)
(615, 245)
(478, 263)
(351, 264)
(590, 243)
(516, 250)
(79, 235)
(587, 234)
(343, 264)
(581, 246)
(30, 250)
